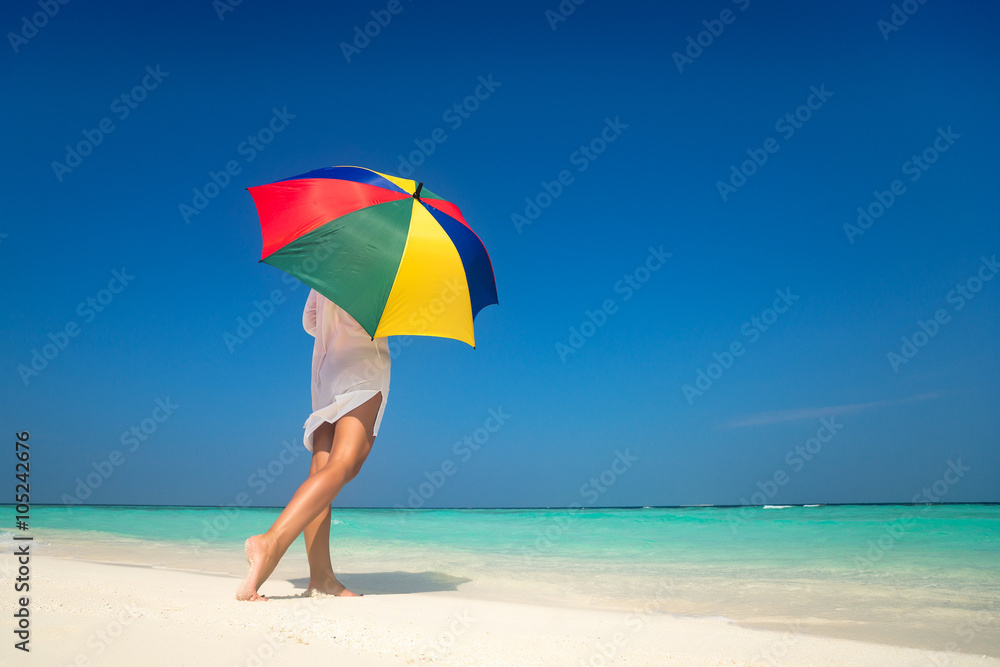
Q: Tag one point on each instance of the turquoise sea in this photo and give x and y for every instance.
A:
(920, 575)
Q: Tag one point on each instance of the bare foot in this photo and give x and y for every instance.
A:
(259, 554)
(329, 585)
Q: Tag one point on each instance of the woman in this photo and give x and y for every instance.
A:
(350, 384)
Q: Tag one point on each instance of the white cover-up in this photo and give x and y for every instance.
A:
(348, 367)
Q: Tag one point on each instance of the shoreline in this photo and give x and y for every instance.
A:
(113, 613)
(882, 609)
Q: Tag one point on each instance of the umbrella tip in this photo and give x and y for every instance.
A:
(420, 186)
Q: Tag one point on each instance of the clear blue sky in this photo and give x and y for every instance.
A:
(673, 129)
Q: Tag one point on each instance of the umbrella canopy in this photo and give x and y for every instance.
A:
(398, 258)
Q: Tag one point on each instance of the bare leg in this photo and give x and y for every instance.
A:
(317, 533)
(352, 441)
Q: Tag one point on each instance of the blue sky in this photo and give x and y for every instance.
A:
(700, 194)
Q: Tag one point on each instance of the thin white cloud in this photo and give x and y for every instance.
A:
(796, 414)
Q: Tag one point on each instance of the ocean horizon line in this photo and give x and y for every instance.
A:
(526, 507)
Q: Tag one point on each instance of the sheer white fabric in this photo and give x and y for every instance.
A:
(348, 367)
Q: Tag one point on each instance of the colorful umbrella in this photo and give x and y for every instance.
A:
(398, 258)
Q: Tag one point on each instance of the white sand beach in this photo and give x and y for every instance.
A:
(89, 613)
